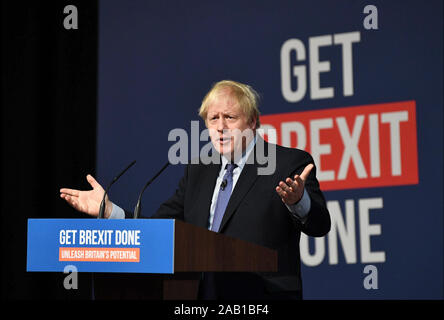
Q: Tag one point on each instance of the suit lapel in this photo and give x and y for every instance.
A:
(206, 189)
(246, 180)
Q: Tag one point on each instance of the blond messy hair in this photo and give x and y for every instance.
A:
(245, 95)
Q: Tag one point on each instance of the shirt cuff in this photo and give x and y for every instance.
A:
(117, 212)
(301, 208)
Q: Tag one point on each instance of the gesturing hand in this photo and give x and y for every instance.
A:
(87, 201)
(291, 191)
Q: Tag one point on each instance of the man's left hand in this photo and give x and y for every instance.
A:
(292, 190)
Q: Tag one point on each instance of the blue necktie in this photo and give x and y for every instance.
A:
(223, 197)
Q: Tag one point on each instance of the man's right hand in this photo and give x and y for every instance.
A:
(87, 201)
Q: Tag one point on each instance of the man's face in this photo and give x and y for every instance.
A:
(227, 124)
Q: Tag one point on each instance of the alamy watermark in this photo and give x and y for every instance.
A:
(232, 143)
(71, 280)
(71, 20)
(371, 280)
(371, 19)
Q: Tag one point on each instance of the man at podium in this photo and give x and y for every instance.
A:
(233, 197)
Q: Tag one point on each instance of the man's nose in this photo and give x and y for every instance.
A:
(221, 124)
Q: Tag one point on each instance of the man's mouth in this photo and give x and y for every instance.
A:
(224, 140)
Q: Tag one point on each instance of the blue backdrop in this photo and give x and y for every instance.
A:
(158, 59)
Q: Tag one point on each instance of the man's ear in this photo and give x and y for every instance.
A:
(253, 124)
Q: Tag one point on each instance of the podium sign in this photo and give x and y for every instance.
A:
(99, 245)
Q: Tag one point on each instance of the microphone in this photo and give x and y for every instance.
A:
(138, 207)
(223, 184)
(102, 204)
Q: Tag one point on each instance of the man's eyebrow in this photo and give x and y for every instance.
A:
(222, 112)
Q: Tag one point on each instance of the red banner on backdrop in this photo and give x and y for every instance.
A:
(353, 147)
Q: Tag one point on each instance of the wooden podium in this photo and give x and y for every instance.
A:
(196, 250)
(140, 259)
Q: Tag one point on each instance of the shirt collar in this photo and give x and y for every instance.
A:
(241, 162)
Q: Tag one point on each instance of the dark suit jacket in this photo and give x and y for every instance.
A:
(257, 214)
